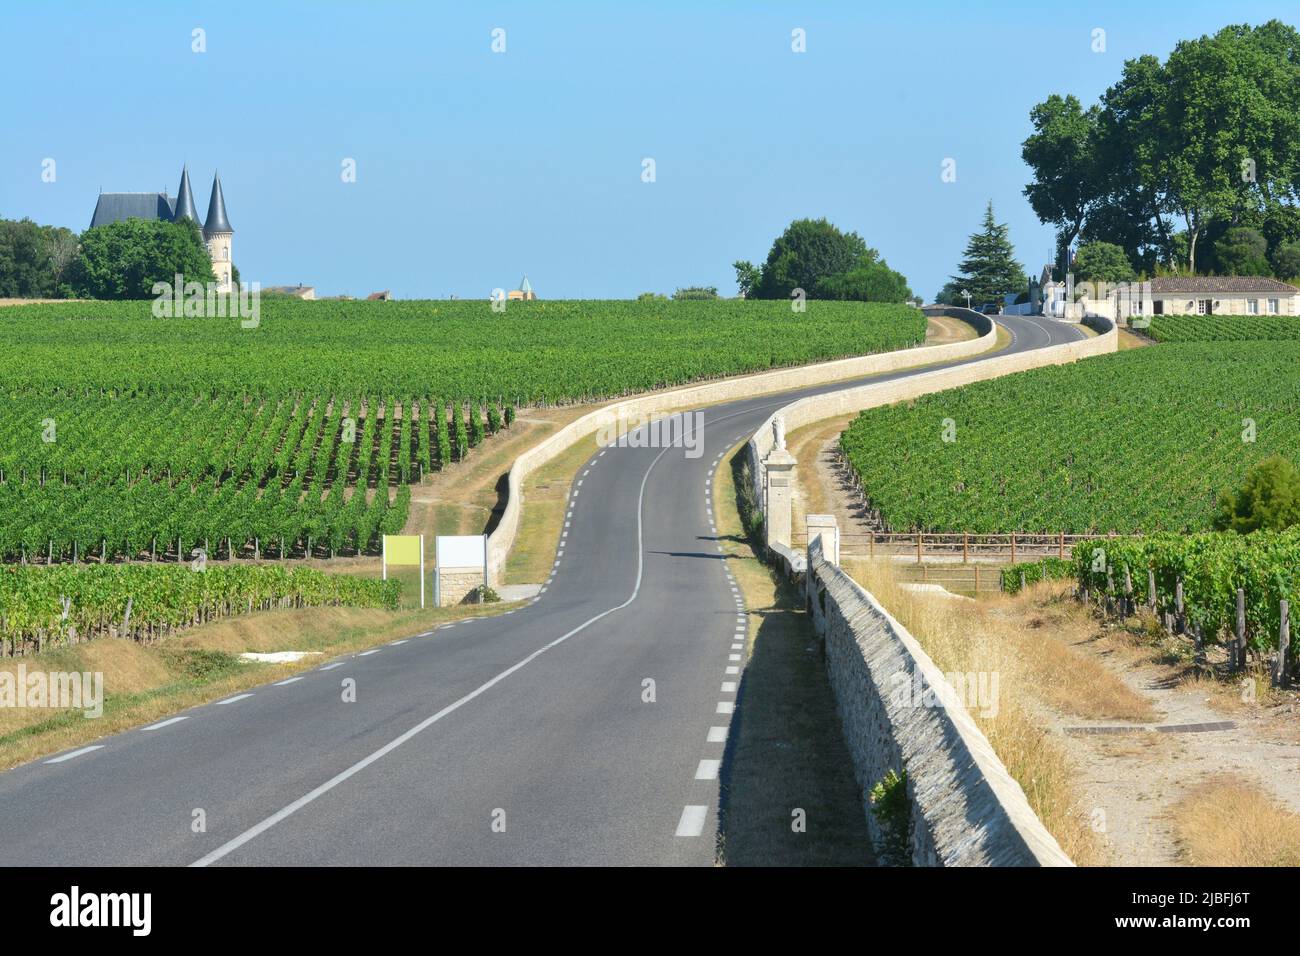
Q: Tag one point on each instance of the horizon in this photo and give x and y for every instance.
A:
(480, 167)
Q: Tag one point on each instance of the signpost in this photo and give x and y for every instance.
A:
(462, 552)
(404, 550)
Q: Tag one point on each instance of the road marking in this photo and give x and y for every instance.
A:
(692, 822)
(733, 657)
(601, 455)
(707, 770)
(728, 687)
(717, 735)
(376, 650)
(559, 554)
(586, 473)
(737, 647)
(396, 643)
(76, 753)
(166, 723)
(732, 669)
(291, 680)
(567, 523)
(725, 707)
(230, 846)
(231, 700)
(330, 667)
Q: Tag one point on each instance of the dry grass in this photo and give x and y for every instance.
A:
(145, 683)
(1227, 822)
(960, 636)
(545, 493)
(940, 330)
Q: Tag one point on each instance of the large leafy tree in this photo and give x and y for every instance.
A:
(1062, 152)
(989, 269)
(123, 260)
(1269, 497)
(808, 251)
(1242, 251)
(1103, 262)
(33, 259)
(873, 282)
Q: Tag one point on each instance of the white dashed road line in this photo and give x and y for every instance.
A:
(691, 823)
(717, 735)
(165, 723)
(231, 700)
(707, 770)
(330, 667)
(291, 680)
(75, 753)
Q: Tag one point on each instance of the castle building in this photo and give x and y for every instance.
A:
(217, 231)
(524, 292)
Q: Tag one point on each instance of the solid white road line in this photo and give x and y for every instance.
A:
(230, 846)
(692, 822)
(166, 723)
(76, 753)
(707, 770)
(717, 735)
(231, 700)
(291, 680)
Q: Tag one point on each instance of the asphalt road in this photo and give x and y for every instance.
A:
(517, 739)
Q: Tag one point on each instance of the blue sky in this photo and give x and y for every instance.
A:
(475, 167)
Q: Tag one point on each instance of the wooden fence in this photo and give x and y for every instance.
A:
(1003, 548)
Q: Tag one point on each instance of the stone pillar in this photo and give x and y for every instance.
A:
(828, 529)
(779, 493)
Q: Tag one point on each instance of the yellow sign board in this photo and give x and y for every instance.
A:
(402, 549)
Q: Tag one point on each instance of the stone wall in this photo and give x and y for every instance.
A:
(455, 583)
(966, 809)
(730, 389)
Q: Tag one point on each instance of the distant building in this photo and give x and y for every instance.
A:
(525, 291)
(1223, 295)
(379, 296)
(217, 231)
(299, 291)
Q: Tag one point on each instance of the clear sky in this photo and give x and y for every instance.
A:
(474, 167)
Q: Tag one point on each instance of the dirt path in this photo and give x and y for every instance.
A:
(1132, 780)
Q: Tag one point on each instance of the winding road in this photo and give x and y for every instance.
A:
(515, 739)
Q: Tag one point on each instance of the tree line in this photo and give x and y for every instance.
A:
(1190, 165)
(814, 256)
(121, 260)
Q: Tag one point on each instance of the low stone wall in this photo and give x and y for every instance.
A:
(455, 583)
(502, 538)
(815, 408)
(966, 809)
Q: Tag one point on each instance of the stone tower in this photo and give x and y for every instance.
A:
(217, 233)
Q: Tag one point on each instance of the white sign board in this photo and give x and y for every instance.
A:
(460, 551)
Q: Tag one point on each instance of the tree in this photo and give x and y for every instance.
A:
(1269, 498)
(123, 260)
(808, 250)
(1242, 252)
(33, 259)
(875, 282)
(1062, 152)
(1286, 260)
(1103, 262)
(989, 270)
(696, 292)
(748, 276)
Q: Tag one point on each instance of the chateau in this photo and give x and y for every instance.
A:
(217, 232)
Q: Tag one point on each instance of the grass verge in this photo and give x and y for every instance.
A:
(1228, 822)
(785, 758)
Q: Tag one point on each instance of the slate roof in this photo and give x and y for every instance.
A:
(1209, 285)
(216, 221)
(525, 286)
(115, 207)
(184, 205)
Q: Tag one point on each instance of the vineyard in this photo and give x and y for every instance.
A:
(133, 437)
(1224, 328)
(1142, 440)
(1211, 568)
(143, 601)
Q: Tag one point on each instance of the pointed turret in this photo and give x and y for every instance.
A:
(185, 200)
(216, 223)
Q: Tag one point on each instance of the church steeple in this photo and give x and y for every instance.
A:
(217, 223)
(185, 200)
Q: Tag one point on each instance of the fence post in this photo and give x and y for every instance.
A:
(1061, 553)
(965, 548)
(1239, 653)
(1283, 642)
(1022, 580)
(1128, 592)
(1013, 547)
(871, 548)
(1180, 622)
(920, 536)
(1151, 589)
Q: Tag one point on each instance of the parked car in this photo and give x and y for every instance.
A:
(990, 308)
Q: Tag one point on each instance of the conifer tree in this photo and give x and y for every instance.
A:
(989, 270)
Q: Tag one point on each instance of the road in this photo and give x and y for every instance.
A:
(517, 739)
